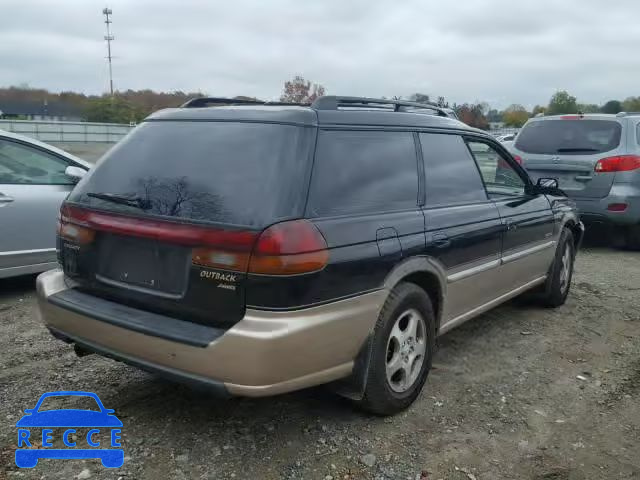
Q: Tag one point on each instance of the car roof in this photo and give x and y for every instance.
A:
(313, 117)
(45, 146)
(582, 116)
(254, 113)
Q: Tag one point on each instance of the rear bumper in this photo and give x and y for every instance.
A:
(265, 353)
(595, 210)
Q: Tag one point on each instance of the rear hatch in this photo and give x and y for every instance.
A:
(567, 148)
(167, 219)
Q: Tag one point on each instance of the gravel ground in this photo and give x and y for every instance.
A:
(519, 393)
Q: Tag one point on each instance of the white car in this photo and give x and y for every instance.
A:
(34, 180)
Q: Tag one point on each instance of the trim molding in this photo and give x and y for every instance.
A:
(528, 251)
(483, 267)
(489, 305)
(496, 262)
(27, 252)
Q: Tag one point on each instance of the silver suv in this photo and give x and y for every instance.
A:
(596, 159)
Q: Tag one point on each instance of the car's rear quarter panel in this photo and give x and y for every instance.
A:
(356, 263)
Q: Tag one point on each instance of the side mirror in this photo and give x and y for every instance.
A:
(545, 186)
(75, 173)
(547, 183)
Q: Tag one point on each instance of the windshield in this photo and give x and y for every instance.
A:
(238, 173)
(569, 137)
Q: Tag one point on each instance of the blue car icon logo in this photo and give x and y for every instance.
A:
(98, 421)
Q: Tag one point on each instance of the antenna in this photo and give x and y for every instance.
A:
(108, 37)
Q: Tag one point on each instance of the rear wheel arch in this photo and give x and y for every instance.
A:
(431, 285)
(426, 272)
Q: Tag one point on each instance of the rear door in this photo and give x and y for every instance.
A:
(32, 188)
(176, 208)
(568, 148)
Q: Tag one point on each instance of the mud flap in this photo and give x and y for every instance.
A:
(354, 385)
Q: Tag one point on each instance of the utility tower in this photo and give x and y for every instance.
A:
(108, 37)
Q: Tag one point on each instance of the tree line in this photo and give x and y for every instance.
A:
(134, 105)
(564, 103)
(124, 107)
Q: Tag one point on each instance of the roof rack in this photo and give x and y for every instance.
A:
(200, 102)
(336, 103)
(328, 103)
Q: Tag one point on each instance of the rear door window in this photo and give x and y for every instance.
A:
(569, 137)
(451, 174)
(240, 173)
(363, 172)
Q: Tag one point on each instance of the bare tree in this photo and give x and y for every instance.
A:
(300, 90)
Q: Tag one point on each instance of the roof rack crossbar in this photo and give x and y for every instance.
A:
(330, 102)
(200, 102)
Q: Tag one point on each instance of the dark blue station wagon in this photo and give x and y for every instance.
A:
(263, 248)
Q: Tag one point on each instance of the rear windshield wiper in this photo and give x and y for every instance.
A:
(137, 202)
(586, 149)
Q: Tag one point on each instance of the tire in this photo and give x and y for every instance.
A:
(556, 288)
(632, 238)
(404, 341)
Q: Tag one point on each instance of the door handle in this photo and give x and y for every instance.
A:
(511, 226)
(5, 198)
(441, 240)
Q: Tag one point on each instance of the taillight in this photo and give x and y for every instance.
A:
(518, 159)
(74, 228)
(171, 232)
(289, 248)
(220, 257)
(283, 249)
(619, 163)
(617, 207)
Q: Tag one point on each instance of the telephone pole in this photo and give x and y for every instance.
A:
(108, 37)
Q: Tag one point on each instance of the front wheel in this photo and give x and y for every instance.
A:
(556, 288)
(402, 350)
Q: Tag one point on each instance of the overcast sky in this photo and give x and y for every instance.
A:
(502, 52)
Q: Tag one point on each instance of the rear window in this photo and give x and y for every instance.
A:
(363, 172)
(247, 174)
(569, 137)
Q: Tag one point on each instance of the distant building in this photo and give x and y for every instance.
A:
(57, 111)
(496, 125)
